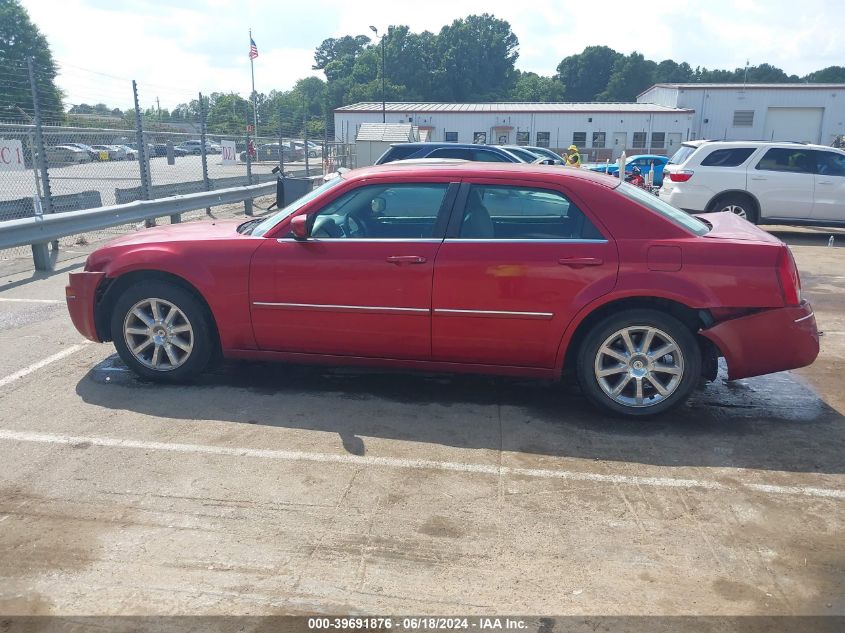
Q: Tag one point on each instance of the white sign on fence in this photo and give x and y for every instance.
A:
(11, 155)
(230, 152)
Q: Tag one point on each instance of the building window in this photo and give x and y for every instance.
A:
(579, 139)
(599, 139)
(450, 137)
(639, 140)
(523, 138)
(658, 139)
(743, 118)
(543, 139)
(503, 139)
(479, 137)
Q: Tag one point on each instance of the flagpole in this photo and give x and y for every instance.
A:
(252, 71)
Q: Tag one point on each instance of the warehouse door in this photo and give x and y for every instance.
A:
(620, 139)
(794, 124)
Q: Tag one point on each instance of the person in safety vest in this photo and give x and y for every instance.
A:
(573, 158)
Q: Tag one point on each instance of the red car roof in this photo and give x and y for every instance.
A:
(469, 169)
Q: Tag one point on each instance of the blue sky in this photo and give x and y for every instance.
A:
(177, 48)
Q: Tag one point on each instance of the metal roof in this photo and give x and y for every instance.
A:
(507, 107)
(386, 132)
(738, 86)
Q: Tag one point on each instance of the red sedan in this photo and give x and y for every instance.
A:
(522, 270)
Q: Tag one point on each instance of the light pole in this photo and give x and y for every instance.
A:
(383, 105)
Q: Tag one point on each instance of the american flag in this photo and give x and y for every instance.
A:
(253, 49)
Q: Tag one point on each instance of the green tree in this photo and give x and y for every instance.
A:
(586, 74)
(831, 74)
(335, 54)
(631, 75)
(669, 71)
(476, 57)
(19, 40)
(228, 113)
(533, 87)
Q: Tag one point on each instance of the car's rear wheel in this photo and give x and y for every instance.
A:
(638, 363)
(161, 331)
(739, 205)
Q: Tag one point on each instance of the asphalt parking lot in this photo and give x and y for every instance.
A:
(107, 176)
(269, 489)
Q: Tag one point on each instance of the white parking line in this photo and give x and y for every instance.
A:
(11, 300)
(42, 363)
(425, 464)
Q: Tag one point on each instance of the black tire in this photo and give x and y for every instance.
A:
(688, 364)
(739, 204)
(195, 315)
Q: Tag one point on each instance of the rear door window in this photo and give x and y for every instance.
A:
(451, 152)
(523, 213)
(795, 160)
(830, 164)
(729, 157)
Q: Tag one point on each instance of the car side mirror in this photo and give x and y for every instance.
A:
(299, 227)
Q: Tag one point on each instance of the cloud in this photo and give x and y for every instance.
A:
(175, 49)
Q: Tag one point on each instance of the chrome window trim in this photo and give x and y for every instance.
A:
(502, 314)
(358, 240)
(804, 318)
(340, 308)
(468, 240)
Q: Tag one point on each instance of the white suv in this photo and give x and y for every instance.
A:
(764, 182)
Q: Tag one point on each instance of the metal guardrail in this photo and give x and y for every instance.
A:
(40, 230)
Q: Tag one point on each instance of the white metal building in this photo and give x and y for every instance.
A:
(813, 113)
(603, 130)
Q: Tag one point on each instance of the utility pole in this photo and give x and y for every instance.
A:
(158, 108)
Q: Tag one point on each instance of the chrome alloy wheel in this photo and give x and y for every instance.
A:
(639, 366)
(158, 334)
(735, 209)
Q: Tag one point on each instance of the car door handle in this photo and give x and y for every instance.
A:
(825, 182)
(758, 178)
(406, 259)
(580, 261)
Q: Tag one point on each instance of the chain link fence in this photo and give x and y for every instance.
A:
(50, 166)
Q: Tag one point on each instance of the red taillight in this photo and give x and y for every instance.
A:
(681, 175)
(790, 281)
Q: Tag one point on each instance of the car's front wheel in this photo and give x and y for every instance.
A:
(161, 331)
(638, 363)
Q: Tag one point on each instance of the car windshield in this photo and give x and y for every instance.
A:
(524, 154)
(294, 206)
(673, 214)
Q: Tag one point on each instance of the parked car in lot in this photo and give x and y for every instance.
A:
(643, 162)
(544, 152)
(66, 154)
(482, 153)
(160, 149)
(129, 153)
(195, 147)
(270, 152)
(763, 182)
(92, 153)
(471, 267)
(314, 150)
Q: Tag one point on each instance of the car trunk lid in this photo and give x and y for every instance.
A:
(732, 227)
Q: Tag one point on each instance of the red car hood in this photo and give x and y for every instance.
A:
(184, 232)
(730, 226)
